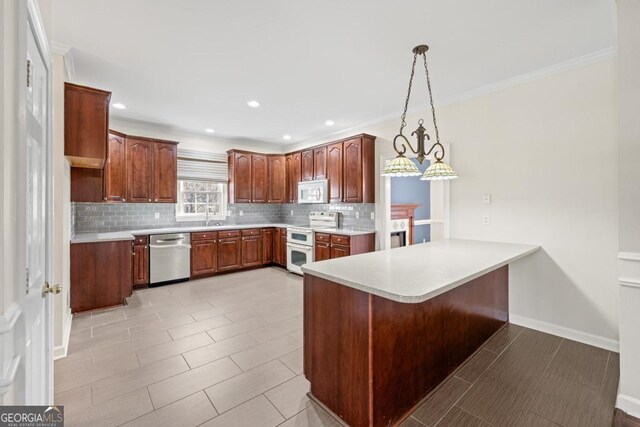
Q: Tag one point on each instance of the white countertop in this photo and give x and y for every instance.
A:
(128, 234)
(416, 273)
(344, 231)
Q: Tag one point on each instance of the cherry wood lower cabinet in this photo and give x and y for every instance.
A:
(140, 261)
(100, 274)
(267, 245)
(330, 246)
(251, 248)
(280, 247)
(373, 360)
(229, 250)
(204, 253)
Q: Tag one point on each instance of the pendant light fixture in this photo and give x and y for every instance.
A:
(401, 165)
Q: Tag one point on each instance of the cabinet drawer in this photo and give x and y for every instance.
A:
(228, 233)
(251, 232)
(338, 239)
(140, 240)
(204, 235)
(322, 237)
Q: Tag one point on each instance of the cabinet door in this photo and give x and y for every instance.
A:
(306, 165)
(267, 245)
(322, 251)
(277, 259)
(295, 175)
(277, 178)
(204, 257)
(115, 173)
(283, 247)
(320, 163)
(288, 162)
(259, 178)
(229, 254)
(334, 172)
(338, 251)
(140, 265)
(165, 172)
(352, 175)
(242, 177)
(139, 170)
(251, 251)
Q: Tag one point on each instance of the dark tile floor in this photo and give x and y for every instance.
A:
(522, 377)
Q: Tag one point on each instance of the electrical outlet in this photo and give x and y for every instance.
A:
(241, 213)
(292, 212)
(485, 220)
(373, 215)
(486, 199)
(157, 215)
(357, 215)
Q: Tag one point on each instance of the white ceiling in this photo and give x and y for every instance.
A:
(193, 64)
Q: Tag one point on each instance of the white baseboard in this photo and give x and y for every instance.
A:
(60, 351)
(568, 333)
(629, 405)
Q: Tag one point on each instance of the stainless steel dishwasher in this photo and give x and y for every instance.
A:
(170, 257)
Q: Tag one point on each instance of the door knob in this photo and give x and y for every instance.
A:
(47, 289)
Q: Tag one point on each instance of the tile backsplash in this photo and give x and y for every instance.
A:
(105, 217)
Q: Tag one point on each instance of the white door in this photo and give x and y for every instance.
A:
(34, 379)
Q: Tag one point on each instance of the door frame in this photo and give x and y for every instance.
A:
(29, 17)
(438, 215)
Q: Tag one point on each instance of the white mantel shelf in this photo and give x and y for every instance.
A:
(416, 273)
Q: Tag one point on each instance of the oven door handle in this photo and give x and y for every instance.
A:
(293, 245)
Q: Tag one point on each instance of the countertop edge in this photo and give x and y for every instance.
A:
(415, 299)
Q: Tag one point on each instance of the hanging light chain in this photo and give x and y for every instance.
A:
(403, 123)
(433, 109)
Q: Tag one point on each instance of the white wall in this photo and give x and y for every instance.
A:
(629, 203)
(187, 140)
(546, 151)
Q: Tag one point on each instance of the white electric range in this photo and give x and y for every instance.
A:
(301, 242)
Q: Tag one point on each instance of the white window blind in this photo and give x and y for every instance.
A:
(202, 166)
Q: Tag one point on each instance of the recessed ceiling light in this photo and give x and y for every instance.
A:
(253, 103)
(329, 123)
(209, 130)
(286, 137)
(119, 106)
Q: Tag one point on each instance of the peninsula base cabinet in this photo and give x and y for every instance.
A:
(100, 274)
(331, 246)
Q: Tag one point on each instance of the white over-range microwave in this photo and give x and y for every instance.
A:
(313, 191)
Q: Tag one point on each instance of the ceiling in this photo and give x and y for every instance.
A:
(193, 64)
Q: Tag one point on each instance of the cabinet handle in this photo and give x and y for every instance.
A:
(156, 200)
(149, 199)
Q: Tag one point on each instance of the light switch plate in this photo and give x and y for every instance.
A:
(373, 215)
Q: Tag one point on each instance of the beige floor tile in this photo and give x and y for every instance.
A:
(290, 397)
(87, 342)
(313, 416)
(228, 331)
(75, 401)
(298, 335)
(201, 326)
(190, 411)
(256, 412)
(130, 346)
(124, 324)
(262, 353)
(239, 389)
(162, 325)
(171, 348)
(71, 378)
(218, 350)
(192, 381)
(114, 412)
(276, 330)
(208, 313)
(111, 387)
(294, 360)
(184, 309)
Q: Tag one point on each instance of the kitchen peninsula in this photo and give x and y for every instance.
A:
(383, 329)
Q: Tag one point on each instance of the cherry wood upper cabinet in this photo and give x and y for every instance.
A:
(306, 165)
(259, 177)
(239, 177)
(334, 171)
(295, 176)
(86, 125)
(139, 170)
(277, 179)
(165, 172)
(320, 163)
(358, 175)
(115, 170)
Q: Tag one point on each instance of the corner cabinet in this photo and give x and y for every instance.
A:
(331, 246)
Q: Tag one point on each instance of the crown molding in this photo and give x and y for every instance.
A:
(59, 48)
(67, 54)
(541, 73)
